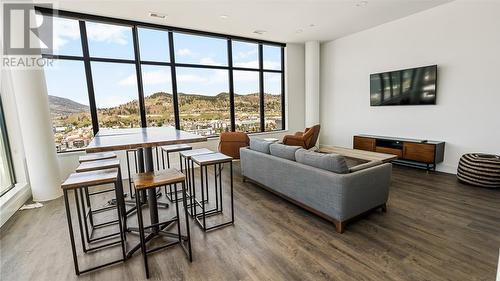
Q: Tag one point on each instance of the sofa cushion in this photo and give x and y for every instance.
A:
(331, 162)
(260, 145)
(283, 151)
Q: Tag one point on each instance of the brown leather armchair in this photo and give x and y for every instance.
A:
(306, 139)
(231, 142)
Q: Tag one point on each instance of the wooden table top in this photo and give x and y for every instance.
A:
(132, 138)
(360, 154)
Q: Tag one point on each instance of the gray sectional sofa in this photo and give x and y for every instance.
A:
(328, 185)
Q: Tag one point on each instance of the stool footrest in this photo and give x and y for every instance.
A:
(101, 191)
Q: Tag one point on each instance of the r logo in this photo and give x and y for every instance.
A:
(22, 32)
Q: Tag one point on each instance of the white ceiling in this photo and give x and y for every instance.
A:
(280, 18)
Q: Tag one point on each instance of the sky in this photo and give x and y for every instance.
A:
(116, 83)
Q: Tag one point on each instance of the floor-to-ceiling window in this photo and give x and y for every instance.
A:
(6, 169)
(111, 73)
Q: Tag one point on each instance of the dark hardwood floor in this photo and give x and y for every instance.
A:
(435, 229)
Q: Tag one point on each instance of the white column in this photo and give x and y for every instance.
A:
(36, 128)
(30, 91)
(312, 67)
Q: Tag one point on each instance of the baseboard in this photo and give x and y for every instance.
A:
(13, 200)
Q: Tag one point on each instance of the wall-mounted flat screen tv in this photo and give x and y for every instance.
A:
(414, 86)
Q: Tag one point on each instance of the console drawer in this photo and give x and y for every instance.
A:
(364, 143)
(419, 152)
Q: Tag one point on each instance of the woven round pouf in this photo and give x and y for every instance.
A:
(480, 170)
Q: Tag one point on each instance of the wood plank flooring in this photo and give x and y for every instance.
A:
(435, 229)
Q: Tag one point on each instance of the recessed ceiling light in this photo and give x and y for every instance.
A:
(224, 17)
(299, 31)
(260, 32)
(157, 15)
(362, 3)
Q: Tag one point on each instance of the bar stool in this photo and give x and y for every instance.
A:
(95, 157)
(95, 166)
(144, 181)
(204, 161)
(166, 150)
(188, 170)
(75, 182)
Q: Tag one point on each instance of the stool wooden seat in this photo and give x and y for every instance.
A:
(98, 165)
(176, 147)
(96, 156)
(198, 151)
(157, 178)
(76, 182)
(212, 158)
(217, 160)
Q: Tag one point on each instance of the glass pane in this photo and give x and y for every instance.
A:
(246, 101)
(272, 57)
(69, 104)
(115, 89)
(203, 100)
(65, 35)
(157, 83)
(245, 54)
(272, 101)
(153, 45)
(6, 178)
(200, 50)
(110, 41)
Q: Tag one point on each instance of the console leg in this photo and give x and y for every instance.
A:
(339, 226)
(384, 208)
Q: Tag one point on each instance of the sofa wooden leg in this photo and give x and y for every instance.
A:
(339, 226)
(243, 179)
(384, 208)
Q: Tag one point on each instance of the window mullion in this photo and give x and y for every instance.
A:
(283, 112)
(261, 89)
(231, 84)
(88, 76)
(175, 99)
(140, 88)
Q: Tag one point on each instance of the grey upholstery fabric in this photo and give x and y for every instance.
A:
(339, 196)
(330, 162)
(284, 151)
(260, 145)
(364, 166)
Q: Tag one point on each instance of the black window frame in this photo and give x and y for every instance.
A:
(135, 25)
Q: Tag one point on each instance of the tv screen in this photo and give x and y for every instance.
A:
(414, 86)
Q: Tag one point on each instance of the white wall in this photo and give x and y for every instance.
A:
(462, 38)
(294, 102)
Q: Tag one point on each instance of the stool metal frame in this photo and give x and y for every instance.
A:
(79, 215)
(130, 183)
(166, 150)
(188, 169)
(218, 209)
(158, 229)
(84, 193)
